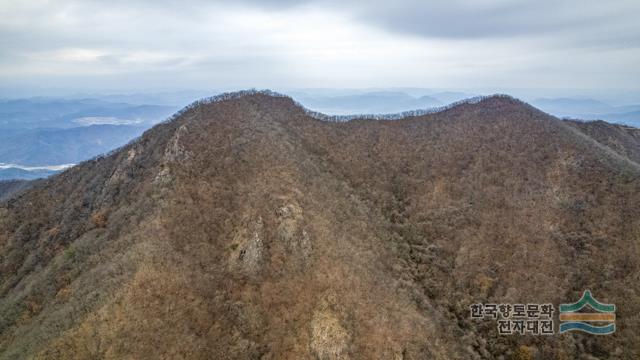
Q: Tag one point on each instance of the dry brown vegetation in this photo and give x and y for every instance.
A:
(248, 229)
(99, 219)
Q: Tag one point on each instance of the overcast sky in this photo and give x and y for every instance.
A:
(132, 45)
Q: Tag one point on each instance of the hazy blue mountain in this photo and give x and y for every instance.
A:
(570, 107)
(630, 118)
(17, 173)
(42, 132)
(369, 102)
(61, 113)
(39, 147)
(447, 97)
(175, 98)
(590, 109)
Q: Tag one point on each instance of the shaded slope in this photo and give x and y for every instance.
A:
(623, 139)
(247, 229)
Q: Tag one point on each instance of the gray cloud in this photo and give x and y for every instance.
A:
(437, 43)
(463, 19)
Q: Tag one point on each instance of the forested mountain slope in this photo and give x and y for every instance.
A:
(246, 228)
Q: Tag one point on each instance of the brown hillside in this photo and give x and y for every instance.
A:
(247, 229)
(623, 139)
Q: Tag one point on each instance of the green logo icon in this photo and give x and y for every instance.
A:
(573, 320)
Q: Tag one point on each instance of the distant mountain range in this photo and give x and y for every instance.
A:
(63, 113)
(41, 147)
(50, 131)
(630, 118)
(367, 103)
(13, 173)
(590, 109)
(46, 132)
